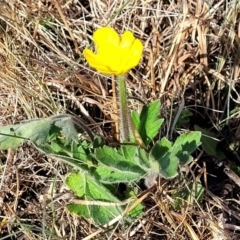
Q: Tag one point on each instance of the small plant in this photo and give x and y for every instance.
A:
(98, 169)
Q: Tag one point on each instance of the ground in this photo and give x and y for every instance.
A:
(191, 60)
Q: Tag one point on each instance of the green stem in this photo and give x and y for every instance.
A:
(126, 133)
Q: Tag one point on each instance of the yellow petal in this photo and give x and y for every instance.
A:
(110, 56)
(96, 62)
(127, 40)
(135, 53)
(106, 36)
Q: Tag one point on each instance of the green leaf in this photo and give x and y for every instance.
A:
(185, 145)
(108, 176)
(128, 151)
(209, 143)
(76, 163)
(115, 161)
(12, 136)
(81, 150)
(76, 182)
(189, 141)
(148, 123)
(161, 148)
(169, 166)
(80, 210)
(129, 164)
(136, 155)
(56, 147)
(100, 205)
(38, 131)
(67, 127)
(168, 162)
(75, 154)
(138, 210)
(142, 159)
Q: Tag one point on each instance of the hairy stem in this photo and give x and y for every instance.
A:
(125, 118)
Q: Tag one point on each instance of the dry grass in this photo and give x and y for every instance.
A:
(191, 57)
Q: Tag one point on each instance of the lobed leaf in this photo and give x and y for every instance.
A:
(108, 176)
(94, 194)
(38, 131)
(115, 161)
(147, 123)
(167, 161)
(184, 146)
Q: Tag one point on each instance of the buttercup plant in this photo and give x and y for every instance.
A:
(116, 56)
(98, 168)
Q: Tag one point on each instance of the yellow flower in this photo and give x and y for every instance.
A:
(114, 55)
